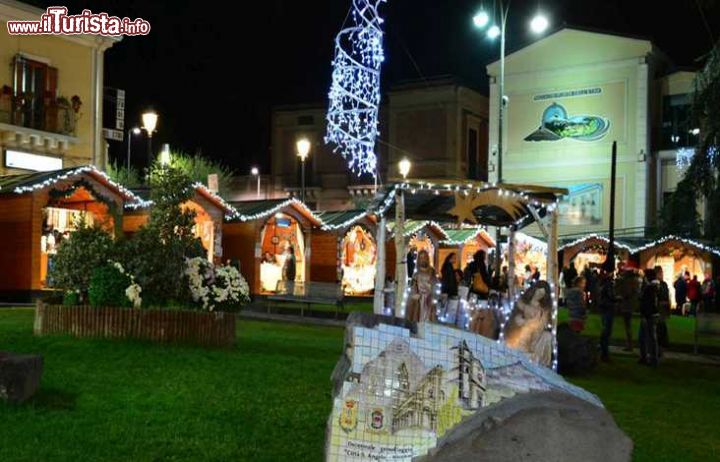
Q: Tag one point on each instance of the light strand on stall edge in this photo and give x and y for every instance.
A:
(84, 169)
(683, 240)
(594, 236)
(271, 211)
(349, 222)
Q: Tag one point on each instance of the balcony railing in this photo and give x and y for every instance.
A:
(39, 112)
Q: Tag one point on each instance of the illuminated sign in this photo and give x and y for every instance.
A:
(34, 162)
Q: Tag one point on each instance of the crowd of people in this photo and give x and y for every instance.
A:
(628, 292)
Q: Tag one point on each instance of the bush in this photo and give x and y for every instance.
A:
(216, 288)
(107, 287)
(86, 249)
(70, 298)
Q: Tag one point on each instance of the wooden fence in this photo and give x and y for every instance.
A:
(163, 326)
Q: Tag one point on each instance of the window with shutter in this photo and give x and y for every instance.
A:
(34, 92)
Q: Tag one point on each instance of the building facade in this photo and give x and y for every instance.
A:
(440, 125)
(51, 91)
(571, 95)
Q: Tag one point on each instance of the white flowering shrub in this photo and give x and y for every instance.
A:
(216, 288)
(112, 285)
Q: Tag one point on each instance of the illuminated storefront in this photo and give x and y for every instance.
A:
(591, 250)
(281, 239)
(358, 257)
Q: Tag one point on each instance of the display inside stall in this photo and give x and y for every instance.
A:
(281, 235)
(65, 212)
(676, 258)
(530, 256)
(359, 253)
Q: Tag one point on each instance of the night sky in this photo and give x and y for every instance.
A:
(213, 70)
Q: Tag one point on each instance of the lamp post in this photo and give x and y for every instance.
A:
(149, 119)
(132, 131)
(401, 275)
(538, 25)
(303, 149)
(256, 173)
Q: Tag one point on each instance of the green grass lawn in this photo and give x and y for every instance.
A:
(681, 331)
(268, 399)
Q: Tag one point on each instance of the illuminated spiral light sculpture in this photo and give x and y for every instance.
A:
(352, 119)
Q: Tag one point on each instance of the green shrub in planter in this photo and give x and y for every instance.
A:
(107, 287)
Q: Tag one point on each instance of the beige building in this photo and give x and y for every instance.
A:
(570, 95)
(51, 90)
(440, 125)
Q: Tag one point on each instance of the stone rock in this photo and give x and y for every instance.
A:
(544, 426)
(576, 354)
(19, 376)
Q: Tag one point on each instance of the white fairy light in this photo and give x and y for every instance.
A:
(352, 119)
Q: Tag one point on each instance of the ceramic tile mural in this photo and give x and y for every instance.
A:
(402, 392)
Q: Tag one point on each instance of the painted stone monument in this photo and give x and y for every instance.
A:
(398, 388)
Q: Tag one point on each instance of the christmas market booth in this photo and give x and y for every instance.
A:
(260, 235)
(676, 255)
(210, 209)
(38, 210)
(464, 241)
(591, 250)
(344, 250)
(418, 235)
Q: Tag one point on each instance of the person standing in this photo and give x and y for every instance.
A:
(577, 305)
(694, 294)
(664, 310)
(449, 279)
(708, 292)
(289, 270)
(650, 314)
(476, 275)
(410, 262)
(680, 286)
(570, 274)
(606, 304)
(628, 291)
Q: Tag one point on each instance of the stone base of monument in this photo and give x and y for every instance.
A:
(538, 426)
(19, 376)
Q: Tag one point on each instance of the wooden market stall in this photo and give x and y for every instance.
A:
(345, 251)
(419, 235)
(39, 210)
(210, 210)
(676, 255)
(259, 236)
(465, 242)
(591, 250)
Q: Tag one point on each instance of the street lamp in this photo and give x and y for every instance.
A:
(132, 131)
(256, 173)
(404, 167)
(149, 119)
(538, 25)
(303, 149)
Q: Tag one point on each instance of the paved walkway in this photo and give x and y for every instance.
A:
(687, 357)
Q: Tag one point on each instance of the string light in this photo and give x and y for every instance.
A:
(589, 237)
(352, 119)
(62, 175)
(347, 223)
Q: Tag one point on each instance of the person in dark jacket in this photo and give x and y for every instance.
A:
(649, 316)
(570, 274)
(606, 305)
(449, 278)
(627, 289)
(576, 299)
(664, 310)
(477, 266)
(410, 262)
(680, 293)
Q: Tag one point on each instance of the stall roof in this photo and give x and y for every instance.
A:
(201, 189)
(334, 220)
(471, 201)
(413, 226)
(257, 210)
(637, 244)
(463, 235)
(28, 182)
(619, 243)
